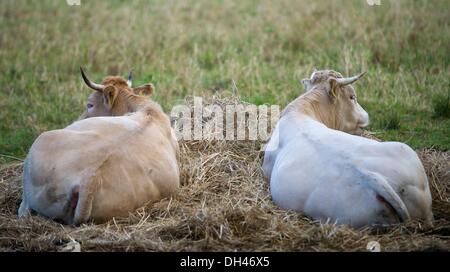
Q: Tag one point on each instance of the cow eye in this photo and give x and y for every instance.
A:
(89, 105)
(353, 97)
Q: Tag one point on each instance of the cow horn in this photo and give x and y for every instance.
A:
(130, 79)
(348, 80)
(92, 85)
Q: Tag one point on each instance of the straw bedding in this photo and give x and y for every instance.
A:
(223, 205)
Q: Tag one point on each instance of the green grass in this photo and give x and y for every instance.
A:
(201, 47)
(441, 106)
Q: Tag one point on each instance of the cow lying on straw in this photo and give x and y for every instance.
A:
(316, 166)
(102, 167)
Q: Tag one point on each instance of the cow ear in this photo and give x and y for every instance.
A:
(333, 87)
(110, 95)
(306, 83)
(146, 89)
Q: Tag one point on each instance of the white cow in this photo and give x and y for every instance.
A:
(317, 167)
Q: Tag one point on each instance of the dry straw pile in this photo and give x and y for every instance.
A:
(223, 205)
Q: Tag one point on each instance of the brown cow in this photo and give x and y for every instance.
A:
(103, 167)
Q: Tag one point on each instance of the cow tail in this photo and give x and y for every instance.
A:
(82, 199)
(386, 194)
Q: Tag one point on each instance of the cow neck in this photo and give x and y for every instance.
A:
(314, 105)
(134, 104)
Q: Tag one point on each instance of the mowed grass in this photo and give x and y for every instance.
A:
(259, 49)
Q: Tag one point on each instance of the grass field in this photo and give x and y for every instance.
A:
(256, 49)
(201, 47)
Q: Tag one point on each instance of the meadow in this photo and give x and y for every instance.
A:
(202, 47)
(259, 50)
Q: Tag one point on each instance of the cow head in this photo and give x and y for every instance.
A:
(348, 115)
(114, 97)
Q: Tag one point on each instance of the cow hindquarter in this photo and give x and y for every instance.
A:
(47, 191)
(404, 172)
